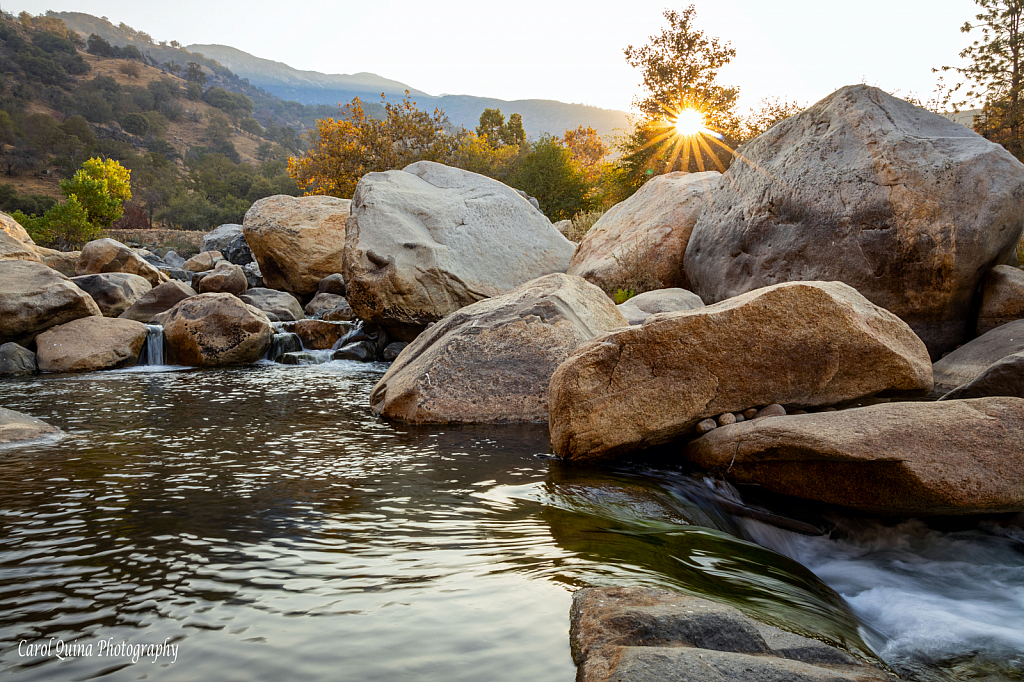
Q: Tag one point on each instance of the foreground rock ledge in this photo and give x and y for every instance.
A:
(15, 426)
(492, 361)
(904, 459)
(640, 634)
(799, 343)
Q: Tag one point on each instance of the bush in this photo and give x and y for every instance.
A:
(63, 226)
(130, 69)
(581, 224)
(30, 204)
(101, 187)
(640, 275)
(136, 124)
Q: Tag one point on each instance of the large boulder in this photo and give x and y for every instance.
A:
(905, 459)
(13, 229)
(209, 330)
(970, 361)
(1003, 377)
(158, 299)
(12, 248)
(798, 343)
(15, 426)
(229, 241)
(114, 292)
(637, 309)
(491, 361)
(278, 306)
(427, 240)
(226, 278)
(297, 241)
(15, 359)
(89, 344)
(34, 298)
(109, 255)
(655, 224)
(1002, 298)
(904, 205)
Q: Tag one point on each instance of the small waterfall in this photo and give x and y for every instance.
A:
(154, 348)
(283, 342)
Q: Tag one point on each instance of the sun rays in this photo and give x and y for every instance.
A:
(685, 131)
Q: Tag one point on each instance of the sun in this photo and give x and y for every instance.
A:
(690, 122)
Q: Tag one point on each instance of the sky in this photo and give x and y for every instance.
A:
(567, 50)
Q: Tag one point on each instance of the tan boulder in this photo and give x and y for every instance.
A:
(202, 262)
(491, 361)
(162, 297)
(114, 292)
(63, 262)
(907, 459)
(13, 228)
(15, 426)
(90, 344)
(225, 278)
(214, 329)
(279, 306)
(34, 298)
(297, 241)
(1002, 298)
(109, 255)
(324, 302)
(12, 248)
(655, 223)
(427, 240)
(798, 343)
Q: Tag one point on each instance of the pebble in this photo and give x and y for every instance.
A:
(706, 425)
(726, 419)
(750, 413)
(773, 410)
(739, 417)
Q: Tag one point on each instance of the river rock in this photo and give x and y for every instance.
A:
(90, 344)
(392, 350)
(332, 284)
(225, 278)
(13, 229)
(900, 459)
(279, 306)
(15, 426)
(491, 361)
(15, 359)
(317, 334)
(359, 351)
(642, 634)
(970, 361)
(297, 241)
(904, 205)
(14, 249)
(203, 261)
(656, 221)
(323, 303)
(804, 343)
(229, 241)
(162, 297)
(34, 298)
(640, 307)
(427, 240)
(210, 330)
(174, 260)
(341, 312)
(109, 255)
(1002, 298)
(114, 292)
(1003, 377)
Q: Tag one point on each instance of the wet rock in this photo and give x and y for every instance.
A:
(297, 241)
(970, 361)
(360, 351)
(279, 306)
(1002, 298)
(902, 459)
(427, 240)
(214, 329)
(203, 261)
(491, 361)
(632, 388)
(332, 284)
(392, 350)
(225, 278)
(15, 426)
(90, 344)
(642, 306)
(323, 303)
(114, 292)
(904, 205)
(282, 344)
(15, 359)
(229, 241)
(109, 255)
(373, 333)
(343, 312)
(655, 224)
(1003, 377)
(318, 334)
(158, 299)
(34, 298)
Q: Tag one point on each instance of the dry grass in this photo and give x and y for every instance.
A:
(581, 224)
(638, 265)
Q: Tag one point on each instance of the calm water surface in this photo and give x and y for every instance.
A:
(264, 522)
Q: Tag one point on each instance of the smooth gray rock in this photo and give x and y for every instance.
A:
(230, 241)
(332, 284)
(970, 361)
(15, 359)
(323, 303)
(360, 351)
(280, 306)
(392, 350)
(114, 292)
(15, 426)
(173, 259)
(642, 306)
(1003, 377)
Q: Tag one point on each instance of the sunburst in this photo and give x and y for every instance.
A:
(685, 130)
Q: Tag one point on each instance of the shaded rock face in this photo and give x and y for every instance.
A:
(1003, 377)
(13, 229)
(297, 241)
(279, 306)
(324, 302)
(902, 204)
(332, 284)
(90, 344)
(114, 292)
(492, 361)
(158, 299)
(970, 361)
(906, 459)
(34, 298)
(109, 255)
(427, 240)
(226, 278)
(656, 223)
(648, 635)
(210, 330)
(229, 241)
(1002, 298)
(341, 312)
(253, 276)
(799, 343)
(15, 359)
(203, 261)
(15, 426)
(642, 306)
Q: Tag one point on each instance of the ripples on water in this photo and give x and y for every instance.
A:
(264, 521)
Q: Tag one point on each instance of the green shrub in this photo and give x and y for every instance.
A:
(63, 226)
(136, 124)
(622, 295)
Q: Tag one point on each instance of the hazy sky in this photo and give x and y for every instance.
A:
(569, 50)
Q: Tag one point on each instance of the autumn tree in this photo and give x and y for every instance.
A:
(548, 173)
(771, 111)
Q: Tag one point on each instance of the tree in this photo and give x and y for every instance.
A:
(549, 174)
(513, 133)
(101, 187)
(136, 124)
(496, 131)
(771, 111)
(194, 74)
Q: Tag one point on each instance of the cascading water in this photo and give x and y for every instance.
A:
(154, 350)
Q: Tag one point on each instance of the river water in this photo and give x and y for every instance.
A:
(262, 521)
